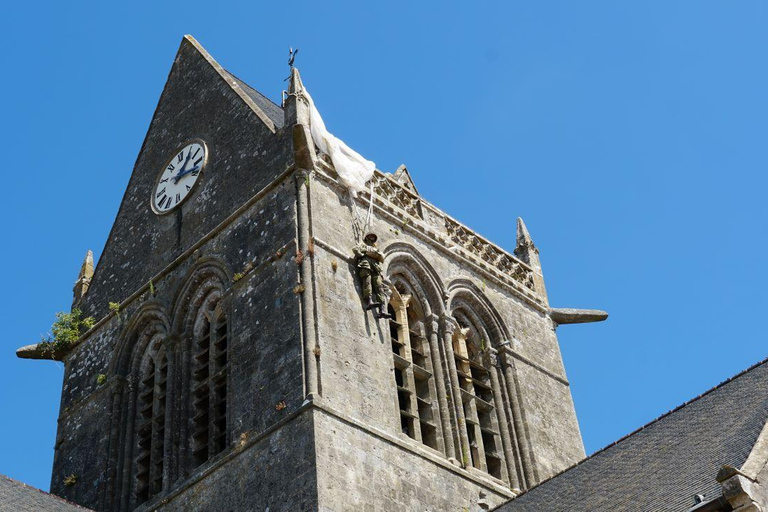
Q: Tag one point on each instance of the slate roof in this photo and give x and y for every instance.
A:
(20, 497)
(661, 466)
(273, 111)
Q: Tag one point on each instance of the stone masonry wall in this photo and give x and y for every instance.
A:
(264, 351)
(358, 471)
(275, 474)
(356, 358)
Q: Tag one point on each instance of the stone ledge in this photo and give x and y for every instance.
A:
(488, 481)
(185, 255)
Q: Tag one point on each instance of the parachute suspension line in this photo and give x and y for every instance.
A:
(358, 226)
(352, 169)
(370, 210)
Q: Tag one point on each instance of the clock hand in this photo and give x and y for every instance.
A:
(182, 174)
(181, 171)
(189, 155)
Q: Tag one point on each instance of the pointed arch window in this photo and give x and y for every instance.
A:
(413, 371)
(477, 397)
(209, 371)
(150, 462)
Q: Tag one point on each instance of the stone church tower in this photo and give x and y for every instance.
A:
(233, 365)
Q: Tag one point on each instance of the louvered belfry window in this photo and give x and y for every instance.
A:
(485, 450)
(416, 394)
(209, 384)
(151, 431)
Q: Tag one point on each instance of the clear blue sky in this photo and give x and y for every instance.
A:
(631, 137)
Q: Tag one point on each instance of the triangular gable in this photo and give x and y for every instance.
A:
(403, 177)
(247, 151)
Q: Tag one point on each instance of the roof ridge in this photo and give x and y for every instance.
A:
(43, 492)
(234, 86)
(645, 426)
(252, 88)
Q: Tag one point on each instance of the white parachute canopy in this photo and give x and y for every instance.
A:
(354, 171)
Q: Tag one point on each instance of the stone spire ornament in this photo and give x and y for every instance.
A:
(83, 279)
(527, 251)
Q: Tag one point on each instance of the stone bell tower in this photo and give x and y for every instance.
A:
(241, 370)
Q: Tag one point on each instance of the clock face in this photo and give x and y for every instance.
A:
(178, 177)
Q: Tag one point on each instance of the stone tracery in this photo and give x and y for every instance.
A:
(152, 389)
(475, 425)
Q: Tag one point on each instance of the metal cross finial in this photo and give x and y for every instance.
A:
(292, 55)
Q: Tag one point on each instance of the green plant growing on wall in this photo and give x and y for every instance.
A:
(70, 480)
(66, 330)
(101, 379)
(239, 275)
(152, 290)
(115, 307)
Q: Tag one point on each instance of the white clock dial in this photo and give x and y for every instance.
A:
(179, 176)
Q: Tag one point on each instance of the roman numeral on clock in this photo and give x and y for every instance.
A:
(170, 191)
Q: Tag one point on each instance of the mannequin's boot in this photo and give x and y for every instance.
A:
(382, 312)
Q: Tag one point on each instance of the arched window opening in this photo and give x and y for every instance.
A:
(151, 422)
(469, 345)
(209, 382)
(413, 372)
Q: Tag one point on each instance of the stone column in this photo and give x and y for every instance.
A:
(449, 326)
(501, 417)
(307, 297)
(442, 399)
(128, 440)
(172, 349)
(109, 499)
(409, 382)
(529, 471)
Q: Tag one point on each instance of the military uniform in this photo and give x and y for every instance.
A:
(369, 260)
